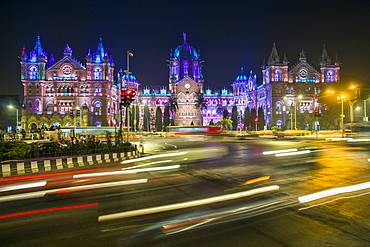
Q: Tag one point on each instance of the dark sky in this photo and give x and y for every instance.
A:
(229, 34)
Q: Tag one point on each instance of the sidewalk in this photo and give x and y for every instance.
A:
(17, 168)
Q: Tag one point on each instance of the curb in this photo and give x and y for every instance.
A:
(16, 168)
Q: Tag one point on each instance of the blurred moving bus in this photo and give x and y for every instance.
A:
(360, 129)
(193, 130)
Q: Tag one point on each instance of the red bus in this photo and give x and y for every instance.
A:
(193, 130)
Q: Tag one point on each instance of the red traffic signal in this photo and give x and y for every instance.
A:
(127, 96)
(256, 120)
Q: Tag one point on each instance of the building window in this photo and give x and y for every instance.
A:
(330, 76)
(32, 73)
(98, 73)
(278, 75)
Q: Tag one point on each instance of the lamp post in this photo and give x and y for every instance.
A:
(295, 111)
(12, 107)
(342, 114)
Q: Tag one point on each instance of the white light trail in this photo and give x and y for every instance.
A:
(293, 153)
(134, 171)
(23, 186)
(335, 191)
(67, 189)
(186, 204)
(147, 164)
(280, 151)
(152, 157)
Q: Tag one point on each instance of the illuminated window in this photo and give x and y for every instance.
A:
(330, 76)
(32, 72)
(98, 73)
(278, 75)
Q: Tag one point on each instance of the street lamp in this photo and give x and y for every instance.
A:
(295, 111)
(12, 107)
(342, 114)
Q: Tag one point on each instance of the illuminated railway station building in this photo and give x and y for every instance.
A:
(69, 93)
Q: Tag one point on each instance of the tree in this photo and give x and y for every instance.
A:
(146, 126)
(166, 116)
(247, 118)
(261, 118)
(225, 113)
(234, 117)
(158, 119)
(201, 104)
(135, 117)
(173, 106)
(226, 123)
(253, 115)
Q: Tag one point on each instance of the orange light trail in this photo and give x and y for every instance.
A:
(48, 210)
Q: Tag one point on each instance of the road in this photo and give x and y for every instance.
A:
(208, 192)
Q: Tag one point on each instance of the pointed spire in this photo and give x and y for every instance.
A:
(37, 49)
(52, 60)
(274, 56)
(302, 55)
(88, 53)
(184, 36)
(325, 59)
(100, 50)
(242, 70)
(336, 60)
(285, 60)
(67, 51)
(23, 51)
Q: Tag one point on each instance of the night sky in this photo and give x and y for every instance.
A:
(229, 34)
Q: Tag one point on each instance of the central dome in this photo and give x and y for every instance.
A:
(185, 50)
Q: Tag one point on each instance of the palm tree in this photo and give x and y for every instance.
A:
(173, 106)
(201, 104)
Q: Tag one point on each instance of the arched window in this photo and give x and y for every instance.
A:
(279, 107)
(98, 88)
(32, 72)
(278, 90)
(278, 75)
(98, 73)
(330, 76)
(97, 108)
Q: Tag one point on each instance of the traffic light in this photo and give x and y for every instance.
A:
(78, 113)
(127, 96)
(256, 120)
(71, 113)
(319, 113)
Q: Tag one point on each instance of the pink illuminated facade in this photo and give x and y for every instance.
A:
(69, 93)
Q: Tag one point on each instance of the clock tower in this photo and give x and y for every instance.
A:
(186, 83)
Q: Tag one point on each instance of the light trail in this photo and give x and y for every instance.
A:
(23, 186)
(147, 164)
(133, 171)
(331, 192)
(38, 194)
(152, 157)
(280, 151)
(293, 153)
(186, 204)
(48, 210)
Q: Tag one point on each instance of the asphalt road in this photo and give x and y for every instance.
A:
(169, 207)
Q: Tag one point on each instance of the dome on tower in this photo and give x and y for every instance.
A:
(129, 77)
(185, 50)
(241, 78)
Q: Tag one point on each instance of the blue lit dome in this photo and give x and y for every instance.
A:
(185, 50)
(241, 78)
(129, 77)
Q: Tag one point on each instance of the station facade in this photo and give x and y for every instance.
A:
(69, 93)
